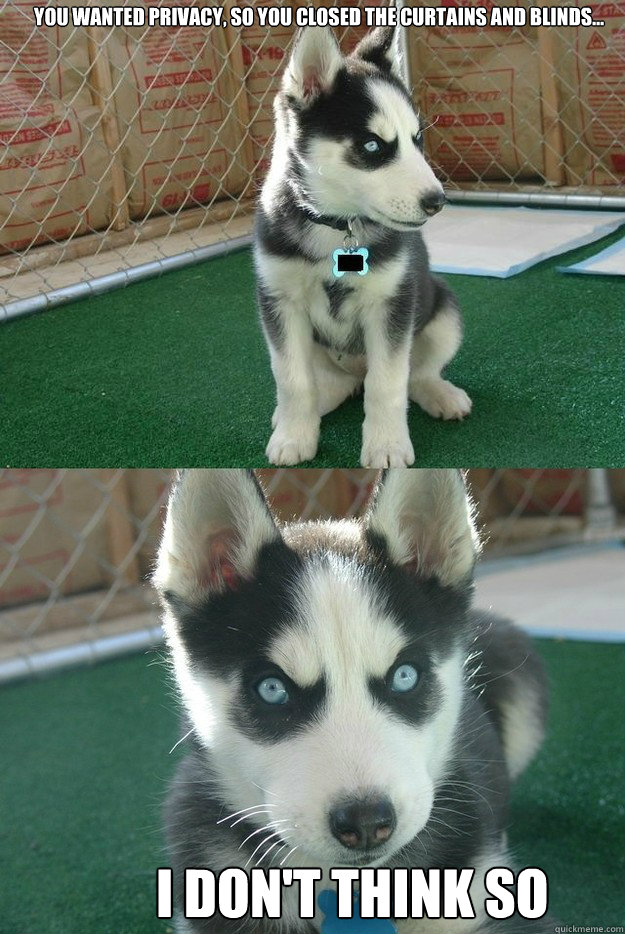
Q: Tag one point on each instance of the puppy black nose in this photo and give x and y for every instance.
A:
(432, 202)
(363, 825)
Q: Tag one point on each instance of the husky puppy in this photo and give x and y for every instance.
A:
(345, 705)
(348, 163)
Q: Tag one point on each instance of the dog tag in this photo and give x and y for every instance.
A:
(332, 924)
(350, 260)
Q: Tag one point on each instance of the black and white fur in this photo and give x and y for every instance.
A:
(331, 609)
(396, 328)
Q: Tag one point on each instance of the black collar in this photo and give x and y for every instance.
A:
(325, 220)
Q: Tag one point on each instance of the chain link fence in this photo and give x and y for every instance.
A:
(77, 546)
(128, 150)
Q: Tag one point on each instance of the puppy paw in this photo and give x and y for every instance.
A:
(440, 398)
(288, 447)
(379, 450)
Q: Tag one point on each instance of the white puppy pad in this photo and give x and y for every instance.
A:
(609, 262)
(501, 242)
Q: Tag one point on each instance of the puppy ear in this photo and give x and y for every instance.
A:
(217, 522)
(314, 63)
(426, 520)
(381, 47)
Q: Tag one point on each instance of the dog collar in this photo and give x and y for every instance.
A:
(332, 924)
(352, 258)
(325, 220)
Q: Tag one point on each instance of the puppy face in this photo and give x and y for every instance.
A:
(355, 136)
(327, 678)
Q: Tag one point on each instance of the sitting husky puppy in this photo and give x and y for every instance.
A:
(347, 169)
(346, 706)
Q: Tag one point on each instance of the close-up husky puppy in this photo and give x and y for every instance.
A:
(348, 169)
(345, 705)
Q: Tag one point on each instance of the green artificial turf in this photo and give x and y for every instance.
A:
(85, 762)
(173, 371)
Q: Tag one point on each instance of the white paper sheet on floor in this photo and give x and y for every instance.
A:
(609, 262)
(503, 241)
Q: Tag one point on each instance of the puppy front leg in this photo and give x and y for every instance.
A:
(385, 438)
(296, 418)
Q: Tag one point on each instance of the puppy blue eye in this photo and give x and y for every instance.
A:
(272, 691)
(371, 145)
(405, 678)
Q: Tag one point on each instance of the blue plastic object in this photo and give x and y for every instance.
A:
(332, 924)
(354, 260)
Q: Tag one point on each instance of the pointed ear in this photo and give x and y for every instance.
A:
(217, 522)
(381, 47)
(426, 520)
(314, 63)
